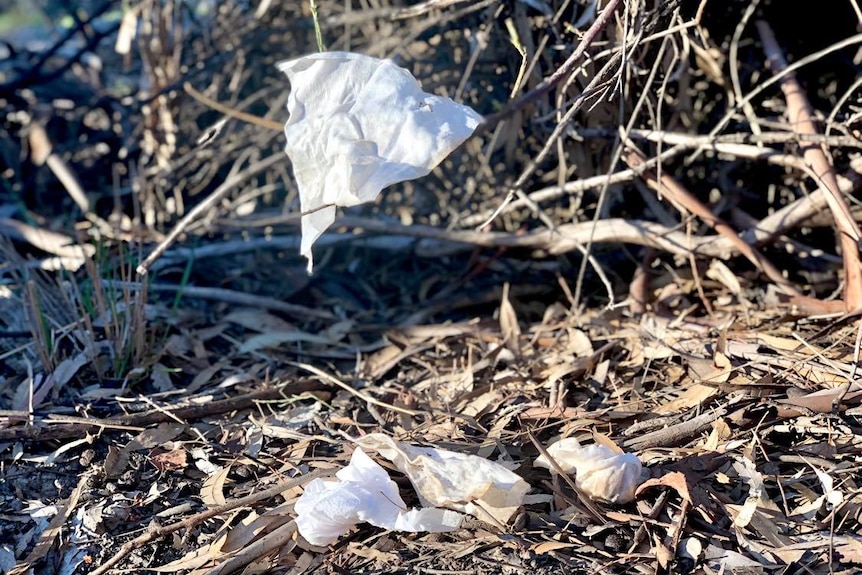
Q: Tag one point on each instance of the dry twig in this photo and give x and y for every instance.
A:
(801, 119)
(668, 187)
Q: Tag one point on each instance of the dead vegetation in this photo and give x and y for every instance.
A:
(652, 243)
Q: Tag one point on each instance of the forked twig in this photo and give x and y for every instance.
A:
(563, 72)
(205, 205)
(682, 198)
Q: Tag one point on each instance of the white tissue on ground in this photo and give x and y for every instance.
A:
(363, 492)
(459, 481)
(600, 472)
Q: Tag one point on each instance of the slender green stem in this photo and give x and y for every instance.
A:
(317, 33)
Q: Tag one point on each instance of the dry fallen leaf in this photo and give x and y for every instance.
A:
(675, 480)
(509, 322)
(168, 460)
(212, 491)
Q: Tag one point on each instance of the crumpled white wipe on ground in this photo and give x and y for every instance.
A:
(357, 125)
(363, 492)
(460, 481)
(600, 472)
(444, 481)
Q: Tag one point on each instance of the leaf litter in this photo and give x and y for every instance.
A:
(175, 426)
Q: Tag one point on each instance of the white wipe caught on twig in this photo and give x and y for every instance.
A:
(357, 125)
(600, 472)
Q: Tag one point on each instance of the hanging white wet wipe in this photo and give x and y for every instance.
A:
(357, 125)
